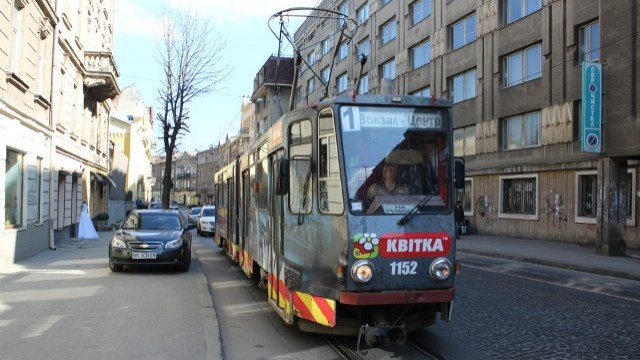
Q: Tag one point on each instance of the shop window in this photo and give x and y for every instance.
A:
(13, 189)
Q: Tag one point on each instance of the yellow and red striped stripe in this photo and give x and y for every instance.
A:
(314, 308)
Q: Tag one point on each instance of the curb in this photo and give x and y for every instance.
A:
(575, 267)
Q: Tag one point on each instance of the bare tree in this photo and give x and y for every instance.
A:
(190, 54)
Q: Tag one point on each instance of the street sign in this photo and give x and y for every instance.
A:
(591, 111)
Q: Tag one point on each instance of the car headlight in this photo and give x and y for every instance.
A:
(362, 271)
(440, 269)
(117, 243)
(173, 244)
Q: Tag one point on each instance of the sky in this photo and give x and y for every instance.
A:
(241, 24)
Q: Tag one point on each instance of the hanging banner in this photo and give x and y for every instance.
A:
(591, 111)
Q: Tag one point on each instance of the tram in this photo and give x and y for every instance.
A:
(299, 213)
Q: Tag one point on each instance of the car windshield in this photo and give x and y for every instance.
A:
(209, 212)
(152, 221)
(396, 158)
(195, 211)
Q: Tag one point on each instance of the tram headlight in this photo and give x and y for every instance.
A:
(362, 271)
(440, 269)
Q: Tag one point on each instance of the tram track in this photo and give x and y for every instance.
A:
(344, 351)
(428, 352)
(412, 349)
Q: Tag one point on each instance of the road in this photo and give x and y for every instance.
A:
(503, 310)
(67, 304)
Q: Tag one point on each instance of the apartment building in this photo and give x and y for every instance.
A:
(208, 164)
(58, 76)
(184, 178)
(544, 96)
(131, 132)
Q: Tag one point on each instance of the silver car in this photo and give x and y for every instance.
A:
(194, 215)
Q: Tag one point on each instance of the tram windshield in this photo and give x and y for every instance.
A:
(396, 159)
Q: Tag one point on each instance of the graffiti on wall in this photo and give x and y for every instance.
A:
(554, 208)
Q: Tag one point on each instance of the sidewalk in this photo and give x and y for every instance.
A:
(67, 304)
(551, 253)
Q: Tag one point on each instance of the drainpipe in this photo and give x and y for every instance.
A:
(52, 123)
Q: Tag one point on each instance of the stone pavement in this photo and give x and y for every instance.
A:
(552, 253)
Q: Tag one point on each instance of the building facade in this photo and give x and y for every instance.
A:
(131, 132)
(271, 92)
(208, 164)
(157, 173)
(55, 88)
(184, 178)
(514, 72)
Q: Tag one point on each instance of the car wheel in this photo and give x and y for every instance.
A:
(115, 267)
(185, 263)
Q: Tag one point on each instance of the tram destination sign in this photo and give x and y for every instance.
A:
(356, 117)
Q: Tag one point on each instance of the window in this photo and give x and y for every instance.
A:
(34, 189)
(300, 182)
(463, 32)
(343, 8)
(388, 69)
(521, 131)
(463, 86)
(388, 31)
(421, 54)
(424, 92)
(311, 86)
(420, 10)
(590, 42)
(363, 88)
(465, 195)
(13, 189)
(311, 58)
(364, 47)
(519, 196)
(586, 196)
(363, 13)
(327, 44)
(329, 185)
(342, 82)
(523, 65)
(384, 2)
(517, 9)
(326, 73)
(464, 140)
(343, 50)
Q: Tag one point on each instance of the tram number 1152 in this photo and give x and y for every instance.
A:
(404, 267)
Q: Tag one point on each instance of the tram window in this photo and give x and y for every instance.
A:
(300, 183)
(329, 182)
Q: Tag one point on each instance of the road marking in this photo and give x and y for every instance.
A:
(38, 329)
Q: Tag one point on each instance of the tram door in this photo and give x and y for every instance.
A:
(277, 291)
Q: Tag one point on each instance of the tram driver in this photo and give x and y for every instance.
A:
(388, 185)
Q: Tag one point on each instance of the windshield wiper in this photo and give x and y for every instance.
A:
(408, 216)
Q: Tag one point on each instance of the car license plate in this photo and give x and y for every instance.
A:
(142, 255)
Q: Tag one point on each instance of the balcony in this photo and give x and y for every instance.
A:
(102, 74)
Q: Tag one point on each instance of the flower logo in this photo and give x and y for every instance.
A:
(365, 246)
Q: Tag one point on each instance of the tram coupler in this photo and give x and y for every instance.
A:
(376, 336)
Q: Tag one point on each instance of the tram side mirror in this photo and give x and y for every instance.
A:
(458, 175)
(282, 180)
